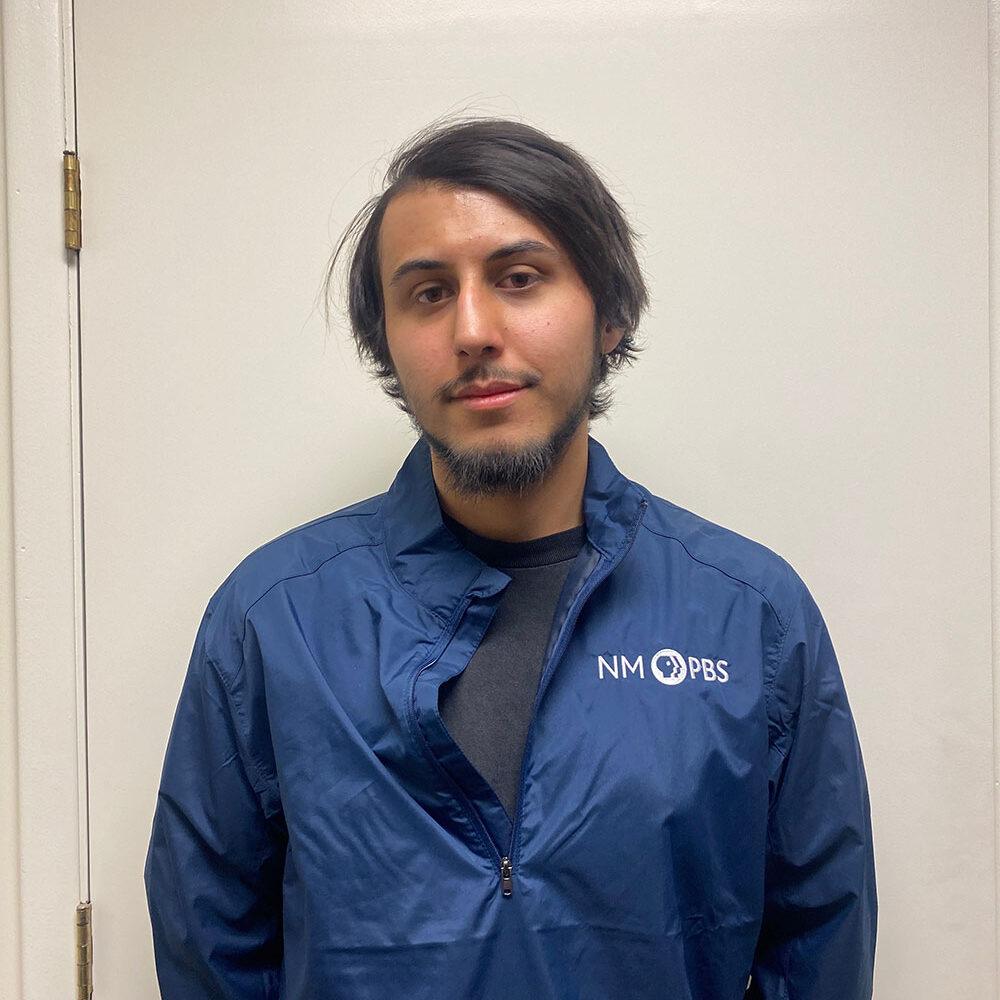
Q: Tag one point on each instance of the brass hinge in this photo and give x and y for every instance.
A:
(71, 199)
(84, 953)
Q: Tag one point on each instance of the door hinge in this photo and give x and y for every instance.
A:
(71, 198)
(84, 953)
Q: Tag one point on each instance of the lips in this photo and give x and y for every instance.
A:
(493, 395)
(483, 389)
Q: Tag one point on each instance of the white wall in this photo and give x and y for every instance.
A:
(912, 75)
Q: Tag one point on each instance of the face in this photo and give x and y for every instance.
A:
(491, 330)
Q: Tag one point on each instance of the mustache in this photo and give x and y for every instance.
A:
(485, 373)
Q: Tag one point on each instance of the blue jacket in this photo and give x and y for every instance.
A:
(692, 808)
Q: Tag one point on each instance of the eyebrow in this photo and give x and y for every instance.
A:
(507, 250)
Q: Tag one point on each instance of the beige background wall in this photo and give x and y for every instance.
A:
(811, 180)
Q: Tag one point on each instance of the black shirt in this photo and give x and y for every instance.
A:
(487, 708)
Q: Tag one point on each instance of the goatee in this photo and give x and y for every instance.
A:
(492, 471)
(511, 470)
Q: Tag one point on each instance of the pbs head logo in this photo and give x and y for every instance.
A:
(668, 666)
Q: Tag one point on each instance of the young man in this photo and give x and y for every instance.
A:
(517, 727)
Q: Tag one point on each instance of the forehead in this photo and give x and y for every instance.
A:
(447, 223)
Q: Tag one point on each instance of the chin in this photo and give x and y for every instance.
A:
(500, 466)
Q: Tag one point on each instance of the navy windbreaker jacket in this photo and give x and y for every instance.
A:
(692, 807)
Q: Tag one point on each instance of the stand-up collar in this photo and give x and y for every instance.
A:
(612, 504)
(437, 570)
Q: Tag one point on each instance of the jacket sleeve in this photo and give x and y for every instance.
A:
(215, 860)
(817, 939)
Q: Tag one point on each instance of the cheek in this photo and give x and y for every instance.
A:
(562, 341)
(415, 364)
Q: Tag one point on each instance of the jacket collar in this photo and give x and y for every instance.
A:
(437, 571)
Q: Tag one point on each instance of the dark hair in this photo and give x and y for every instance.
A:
(548, 181)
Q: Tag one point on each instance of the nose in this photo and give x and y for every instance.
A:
(478, 323)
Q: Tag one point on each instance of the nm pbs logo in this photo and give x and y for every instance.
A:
(666, 665)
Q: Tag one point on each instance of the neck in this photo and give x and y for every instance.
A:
(555, 504)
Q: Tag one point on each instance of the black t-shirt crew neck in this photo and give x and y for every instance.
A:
(487, 708)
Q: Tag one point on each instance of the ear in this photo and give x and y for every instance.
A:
(611, 337)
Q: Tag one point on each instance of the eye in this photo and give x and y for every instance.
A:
(431, 295)
(519, 279)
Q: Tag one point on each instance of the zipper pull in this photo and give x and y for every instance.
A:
(506, 877)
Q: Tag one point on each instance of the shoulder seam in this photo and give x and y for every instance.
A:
(323, 518)
(746, 583)
(346, 512)
(296, 576)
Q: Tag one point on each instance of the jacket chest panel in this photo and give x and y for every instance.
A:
(650, 740)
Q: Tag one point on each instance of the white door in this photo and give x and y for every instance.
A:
(810, 181)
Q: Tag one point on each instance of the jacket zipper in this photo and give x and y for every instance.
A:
(506, 877)
(589, 586)
(506, 869)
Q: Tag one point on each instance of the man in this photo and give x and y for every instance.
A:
(516, 728)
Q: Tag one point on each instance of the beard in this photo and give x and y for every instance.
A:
(503, 469)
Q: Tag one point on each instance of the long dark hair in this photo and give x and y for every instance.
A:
(548, 181)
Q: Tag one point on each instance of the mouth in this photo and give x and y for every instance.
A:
(488, 395)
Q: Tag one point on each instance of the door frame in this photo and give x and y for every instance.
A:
(42, 714)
